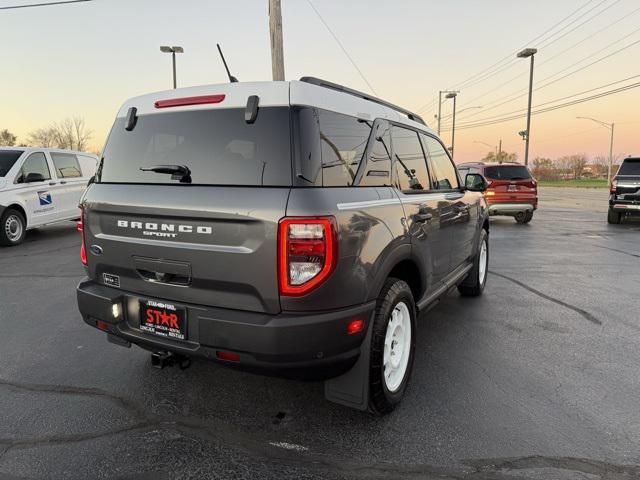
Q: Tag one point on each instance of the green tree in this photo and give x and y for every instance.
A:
(7, 139)
(500, 157)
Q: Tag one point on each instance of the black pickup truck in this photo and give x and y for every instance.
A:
(625, 191)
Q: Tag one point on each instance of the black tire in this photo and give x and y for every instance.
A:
(394, 293)
(613, 217)
(524, 217)
(473, 285)
(13, 228)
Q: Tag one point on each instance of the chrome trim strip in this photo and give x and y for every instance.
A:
(167, 243)
(368, 204)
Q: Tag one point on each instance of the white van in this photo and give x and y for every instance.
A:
(39, 186)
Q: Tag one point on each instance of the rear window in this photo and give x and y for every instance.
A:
(218, 146)
(507, 172)
(7, 159)
(630, 167)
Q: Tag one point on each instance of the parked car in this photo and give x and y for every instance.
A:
(624, 198)
(294, 228)
(39, 186)
(511, 188)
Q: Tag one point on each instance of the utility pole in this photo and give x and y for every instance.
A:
(610, 126)
(277, 51)
(528, 52)
(453, 95)
(499, 151)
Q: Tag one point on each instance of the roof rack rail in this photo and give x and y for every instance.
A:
(341, 88)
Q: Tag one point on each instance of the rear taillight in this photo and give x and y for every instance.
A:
(307, 253)
(83, 248)
(612, 188)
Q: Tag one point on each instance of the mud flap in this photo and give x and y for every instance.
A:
(351, 389)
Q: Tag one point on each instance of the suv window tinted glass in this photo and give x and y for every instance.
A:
(442, 169)
(66, 164)
(35, 163)
(630, 167)
(378, 169)
(507, 172)
(410, 164)
(7, 159)
(218, 146)
(344, 140)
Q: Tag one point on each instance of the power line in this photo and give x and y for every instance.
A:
(552, 108)
(548, 39)
(335, 37)
(588, 37)
(429, 104)
(517, 95)
(561, 98)
(13, 7)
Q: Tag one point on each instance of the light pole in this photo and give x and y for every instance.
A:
(610, 126)
(440, 104)
(172, 51)
(528, 52)
(453, 95)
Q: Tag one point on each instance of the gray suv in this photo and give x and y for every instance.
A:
(291, 228)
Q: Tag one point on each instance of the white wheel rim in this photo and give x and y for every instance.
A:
(13, 228)
(397, 347)
(482, 267)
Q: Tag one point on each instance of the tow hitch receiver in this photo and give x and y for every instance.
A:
(163, 359)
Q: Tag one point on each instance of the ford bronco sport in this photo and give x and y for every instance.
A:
(293, 228)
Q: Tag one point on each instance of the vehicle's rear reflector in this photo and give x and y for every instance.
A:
(228, 356)
(181, 102)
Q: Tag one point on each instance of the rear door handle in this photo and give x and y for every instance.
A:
(52, 183)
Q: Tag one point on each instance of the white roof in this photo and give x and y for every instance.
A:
(272, 94)
(47, 149)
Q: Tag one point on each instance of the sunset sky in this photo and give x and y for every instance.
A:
(87, 59)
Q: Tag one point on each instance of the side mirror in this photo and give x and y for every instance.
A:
(474, 182)
(34, 177)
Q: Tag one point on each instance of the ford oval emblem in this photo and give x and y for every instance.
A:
(96, 249)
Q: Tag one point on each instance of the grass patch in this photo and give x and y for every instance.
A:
(581, 183)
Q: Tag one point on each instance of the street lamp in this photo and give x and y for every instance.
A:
(528, 52)
(610, 126)
(172, 51)
(453, 95)
(440, 105)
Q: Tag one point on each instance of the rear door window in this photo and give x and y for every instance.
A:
(66, 164)
(409, 160)
(630, 167)
(507, 172)
(217, 145)
(343, 141)
(442, 168)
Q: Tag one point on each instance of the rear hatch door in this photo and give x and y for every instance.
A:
(511, 183)
(210, 242)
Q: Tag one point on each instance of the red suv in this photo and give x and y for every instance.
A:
(512, 190)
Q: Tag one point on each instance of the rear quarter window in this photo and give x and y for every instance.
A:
(8, 159)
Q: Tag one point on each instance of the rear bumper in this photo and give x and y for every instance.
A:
(295, 345)
(510, 208)
(629, 206)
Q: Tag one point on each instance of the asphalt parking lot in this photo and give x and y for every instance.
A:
(537, 379)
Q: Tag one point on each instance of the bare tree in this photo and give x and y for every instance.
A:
(7, 139)
(577, 164)
(500, 157)
(70, 133)
(42, 137)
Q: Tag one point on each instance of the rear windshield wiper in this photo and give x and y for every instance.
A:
(177, 172)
